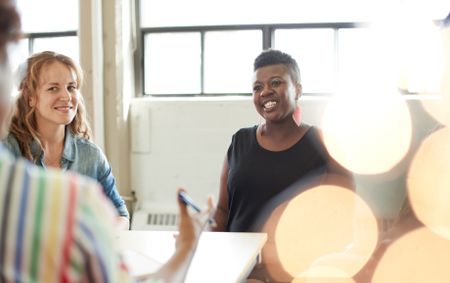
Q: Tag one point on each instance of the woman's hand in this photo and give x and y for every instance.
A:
(190, 228)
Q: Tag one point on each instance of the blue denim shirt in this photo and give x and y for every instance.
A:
(82, 156)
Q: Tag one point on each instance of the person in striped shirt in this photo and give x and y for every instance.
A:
(57, 226)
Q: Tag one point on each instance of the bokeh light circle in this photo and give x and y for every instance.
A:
(314, 231)
(367, 134)
(323, 280)
(438, 105)
(419, 256)
(429, 182)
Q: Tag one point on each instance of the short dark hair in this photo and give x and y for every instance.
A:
(274, 57)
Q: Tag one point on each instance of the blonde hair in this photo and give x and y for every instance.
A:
(23, 123)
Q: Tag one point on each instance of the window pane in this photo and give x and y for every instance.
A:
(172, 63)
(67, 45)
(48, 15)
(20, 54)
(229, 59)
(313, 49)
(424, 61)
(410, 59)
(355, 53)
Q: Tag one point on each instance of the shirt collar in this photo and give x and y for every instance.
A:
(69, 150)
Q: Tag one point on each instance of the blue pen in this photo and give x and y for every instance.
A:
(186, 199)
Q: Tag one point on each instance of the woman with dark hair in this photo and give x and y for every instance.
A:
(266, 162)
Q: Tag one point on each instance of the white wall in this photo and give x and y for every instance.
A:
(182, 142)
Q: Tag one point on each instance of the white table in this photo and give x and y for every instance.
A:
(220, 256)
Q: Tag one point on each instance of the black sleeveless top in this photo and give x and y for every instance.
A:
(256, 175)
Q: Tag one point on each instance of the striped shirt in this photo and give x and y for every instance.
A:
(55, 227)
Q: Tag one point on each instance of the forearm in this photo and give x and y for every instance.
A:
(221, 218)
(176, 268)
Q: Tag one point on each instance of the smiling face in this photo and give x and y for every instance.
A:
(275, 93)
(56, 97)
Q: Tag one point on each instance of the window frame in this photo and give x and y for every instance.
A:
(268, 31)
(39, 35)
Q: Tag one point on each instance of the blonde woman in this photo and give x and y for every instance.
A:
(49, 125)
